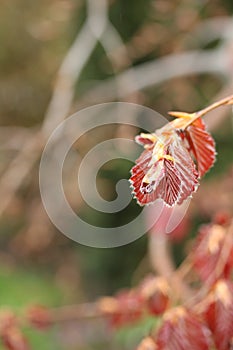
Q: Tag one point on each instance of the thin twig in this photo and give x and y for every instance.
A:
(162, 263)
(191, 117)
(216, 117)
(75, 312)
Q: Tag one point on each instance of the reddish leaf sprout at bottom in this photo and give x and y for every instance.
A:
(182, 329)
(10, 333)
(219, 313)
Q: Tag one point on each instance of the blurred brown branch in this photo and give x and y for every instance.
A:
(59, 105)
(76, 312)
(12, 138)
(148, 74)
(211, 29)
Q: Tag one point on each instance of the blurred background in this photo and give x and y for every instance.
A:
(59, 56)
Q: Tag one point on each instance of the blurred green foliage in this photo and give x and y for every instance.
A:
(21, 288)
(130, 336)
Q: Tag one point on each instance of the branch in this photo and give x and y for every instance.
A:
(73, 64)
(112, 41)
(155, 72)
(216, 117)
(212, 29)
(13, 137)
(57, 110)
(162, 263)
(76, 312)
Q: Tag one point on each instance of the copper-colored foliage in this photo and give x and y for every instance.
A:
(13, 339)
(151, 296)
(155, 293)
(200, 323)
(181, 329)
(175, 156)
(11, 336)
(125, 308)
(39, 317)
(212, 253)
(165, 169)
(219, 313)
(202, 146)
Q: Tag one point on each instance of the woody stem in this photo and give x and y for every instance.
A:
(202, 112)
(215, 105)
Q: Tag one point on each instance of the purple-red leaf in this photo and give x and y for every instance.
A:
(202, 146)
(219, 314)
(164, 170)
(182, 330)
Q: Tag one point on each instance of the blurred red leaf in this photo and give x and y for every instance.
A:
(39, 317)
(126, 307)
(219, 314)
(7, 319)
(182, 330)
(209, 250)
(222, 218)
(13, 339)
(155, 293)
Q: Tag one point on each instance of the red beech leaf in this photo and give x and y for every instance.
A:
(13, 339)
(138, 172)
(219, 314)
(186, 169)
(166, 168)
(169, 187)
(208, 251)
(155, 294)
(182, 330)
(202, 146)
(7, 319)
(39, 317)
(126, 307)
(166, 171)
